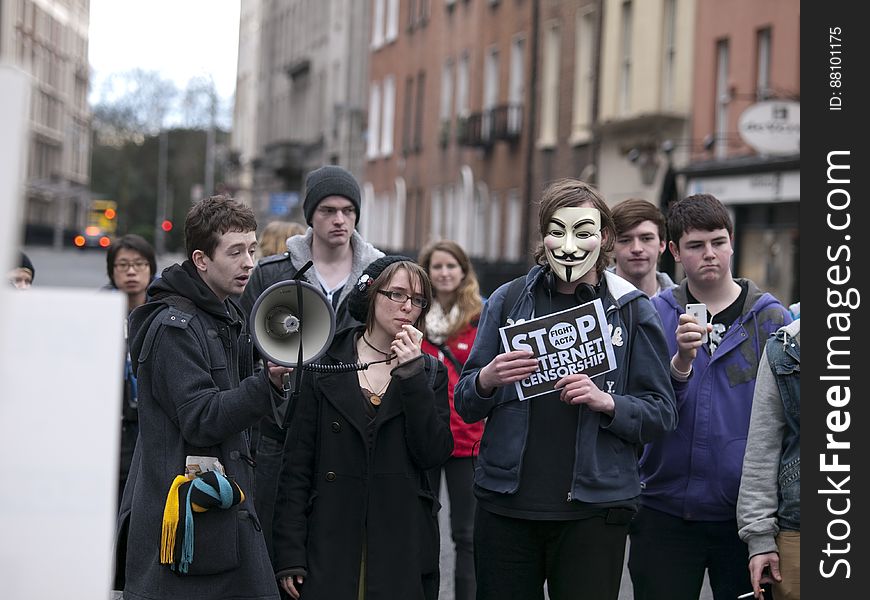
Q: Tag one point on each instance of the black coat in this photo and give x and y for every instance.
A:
(190, 360)
(351, 484)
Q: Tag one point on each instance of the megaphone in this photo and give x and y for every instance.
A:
(292, 323)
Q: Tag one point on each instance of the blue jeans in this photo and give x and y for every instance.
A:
(669, 555)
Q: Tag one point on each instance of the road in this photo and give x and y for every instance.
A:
(87, 269)
(74, 268)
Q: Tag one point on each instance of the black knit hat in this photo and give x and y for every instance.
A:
(25, 263)
(358, 299)
(330, 180)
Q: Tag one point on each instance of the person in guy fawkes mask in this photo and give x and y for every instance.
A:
(556, 479)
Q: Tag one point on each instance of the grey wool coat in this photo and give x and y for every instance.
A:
(191, 356)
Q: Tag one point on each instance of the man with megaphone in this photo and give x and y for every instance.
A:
(339, 255)
(187, 524)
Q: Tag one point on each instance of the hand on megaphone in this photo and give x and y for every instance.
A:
(277, 373)
(407, 344)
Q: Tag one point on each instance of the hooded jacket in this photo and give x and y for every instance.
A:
(606, 448)
(695, 472)
(191, 356)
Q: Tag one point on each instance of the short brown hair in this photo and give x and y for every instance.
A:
(573, 192)
(700, 211)
(210, 218)
(631, 212)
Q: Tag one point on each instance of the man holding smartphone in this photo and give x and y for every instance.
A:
(687, 522)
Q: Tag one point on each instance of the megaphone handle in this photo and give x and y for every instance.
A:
(286, 382)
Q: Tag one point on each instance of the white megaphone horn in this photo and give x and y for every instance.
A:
(292, 323)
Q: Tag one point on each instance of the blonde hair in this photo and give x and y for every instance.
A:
(273, 240)
(467, 294)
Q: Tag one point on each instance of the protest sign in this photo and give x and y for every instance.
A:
(576, 340)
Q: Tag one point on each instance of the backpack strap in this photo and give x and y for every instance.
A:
(432, 368)
(515, 288)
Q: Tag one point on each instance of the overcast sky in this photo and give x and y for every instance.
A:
(181, 39)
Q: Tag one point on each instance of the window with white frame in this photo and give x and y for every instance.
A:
(625, 58)
(669, 53)
(392, 29)
(517, 84)
(514, 230)
(378, 24)
(496, 227)
(762, 83)
(490, 90)
(374, 128)
(723, 98)
(436, 222)
(584, 83)
(462, 74)
(446, 90)
(387, 124)
(550, 97)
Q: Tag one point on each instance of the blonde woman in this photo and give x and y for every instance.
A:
(273, 240)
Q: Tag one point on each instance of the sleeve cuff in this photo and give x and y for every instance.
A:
(680, 375)
(408, 369)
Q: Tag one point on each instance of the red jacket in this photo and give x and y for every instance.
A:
(465, 436)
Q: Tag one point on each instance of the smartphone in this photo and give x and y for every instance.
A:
(699, 311)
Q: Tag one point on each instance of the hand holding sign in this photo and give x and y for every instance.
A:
(580, 389)
(506, 368)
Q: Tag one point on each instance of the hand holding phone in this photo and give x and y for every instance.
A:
(699, 311)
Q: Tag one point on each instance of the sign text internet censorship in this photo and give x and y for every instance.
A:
(576, 340)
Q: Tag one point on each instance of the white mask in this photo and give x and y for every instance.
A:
(573, 241)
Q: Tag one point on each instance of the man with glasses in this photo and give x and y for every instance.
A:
(131, 265)
(339, 254)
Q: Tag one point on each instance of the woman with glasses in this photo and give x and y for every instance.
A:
(131, 265)
(354, 515)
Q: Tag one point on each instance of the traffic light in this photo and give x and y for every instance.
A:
(166, 225)
(109, 213)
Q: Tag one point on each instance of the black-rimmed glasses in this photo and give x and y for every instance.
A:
(401, 298)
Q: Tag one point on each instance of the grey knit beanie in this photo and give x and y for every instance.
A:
(330, 180)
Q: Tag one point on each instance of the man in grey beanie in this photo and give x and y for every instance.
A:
(340, 254)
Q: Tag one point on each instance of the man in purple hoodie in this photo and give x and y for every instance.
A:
(687, 524)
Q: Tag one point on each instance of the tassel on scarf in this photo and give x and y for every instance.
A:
(210, 490)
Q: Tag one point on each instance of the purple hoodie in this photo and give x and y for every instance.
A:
(694, 472)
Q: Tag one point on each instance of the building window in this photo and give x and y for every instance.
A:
(374, 127)
(446, 90)
(723, 99)
(625, 59)
(490, 91)
(462, 75)
(669, 53)
(517, 84)
(584, 77)
(550, 97)
(387, 125)
(436, 227)
(496, 227)
(407, 116)
(392, 30)
(418, 117)
(762, 82)
(514, 249)
(378, 24)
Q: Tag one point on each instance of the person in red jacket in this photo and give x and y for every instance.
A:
(451, 325)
